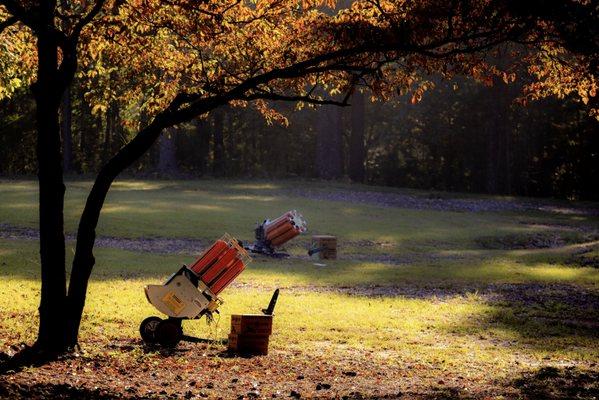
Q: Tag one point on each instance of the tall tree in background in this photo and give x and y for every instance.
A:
(329, 143)
(203, 132)
(357, 139)
(66, 117)
(218, 126)
(183, 59)
(167, 152)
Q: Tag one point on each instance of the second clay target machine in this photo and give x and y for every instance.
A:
(271, 235)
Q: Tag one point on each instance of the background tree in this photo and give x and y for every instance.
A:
(329, 143)
(357, 149)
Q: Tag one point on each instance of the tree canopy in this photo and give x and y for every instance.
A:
(145, 54)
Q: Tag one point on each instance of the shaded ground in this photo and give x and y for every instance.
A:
(553, 383)
(298, 248)
(440, 201)
(527, 294)
(161, 245)
(196, 371)
(151, 245)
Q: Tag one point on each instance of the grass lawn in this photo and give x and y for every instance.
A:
(426, 303)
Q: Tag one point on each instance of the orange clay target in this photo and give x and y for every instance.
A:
(283, 229)
(220, 264)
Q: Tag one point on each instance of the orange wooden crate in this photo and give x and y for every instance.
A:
(251, 324)
(250, 333)
(248, 344)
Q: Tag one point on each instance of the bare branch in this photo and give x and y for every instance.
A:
(296, 98)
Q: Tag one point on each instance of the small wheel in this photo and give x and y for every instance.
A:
(147, 329)
(168, 333)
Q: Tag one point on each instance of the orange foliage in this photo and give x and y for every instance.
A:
(142, 54)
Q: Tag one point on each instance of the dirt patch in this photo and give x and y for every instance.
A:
(441, 201)
(142, 244)
(587, 256)
(537, 240)
(592, 262)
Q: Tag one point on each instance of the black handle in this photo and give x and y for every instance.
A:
(273, 302)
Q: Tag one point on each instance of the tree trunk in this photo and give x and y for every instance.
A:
(167, 153)
(219, 143)
(203, 130)
(65, 127)
(329, 142)
(494, 125)
(357, 148)
(508, 160)
(48, 94)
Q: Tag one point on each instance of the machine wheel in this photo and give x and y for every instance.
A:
(169, 333)
(147, 329)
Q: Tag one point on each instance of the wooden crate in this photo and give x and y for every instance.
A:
(330, 246)
(248, 344)
(250, 333)
(257, 324)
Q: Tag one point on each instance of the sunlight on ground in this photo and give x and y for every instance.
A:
(206, 207)
(139, 185)
(411, 286)
(255, 186)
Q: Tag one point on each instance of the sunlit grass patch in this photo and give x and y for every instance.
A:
(428, 328)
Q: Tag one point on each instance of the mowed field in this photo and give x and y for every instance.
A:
(434, 295)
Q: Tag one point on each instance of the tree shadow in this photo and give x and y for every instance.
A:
(540, 312)
(14, 390)
(553, 383)
(213, 348)
(27, 357)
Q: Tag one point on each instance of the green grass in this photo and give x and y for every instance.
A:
(206, 209)
(442, 251)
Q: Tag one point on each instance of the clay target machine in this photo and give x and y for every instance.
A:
(192, 292)
(271, 235)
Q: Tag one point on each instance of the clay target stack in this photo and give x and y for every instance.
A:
(284, 228)
(221, 263)
(250, 334)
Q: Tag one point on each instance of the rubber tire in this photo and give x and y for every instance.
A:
(168, 333)
(147, 329)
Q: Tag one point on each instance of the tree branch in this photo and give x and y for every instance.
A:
(86, 20)
(20, 13)
(298, 98)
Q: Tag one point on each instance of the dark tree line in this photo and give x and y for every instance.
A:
(471, 139)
